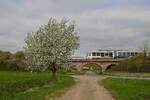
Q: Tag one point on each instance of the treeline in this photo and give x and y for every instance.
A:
(140, 63)
(17, 62)
(12, 62)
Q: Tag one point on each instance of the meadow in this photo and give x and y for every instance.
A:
(125, 74)
(32, 86)
(127, 89)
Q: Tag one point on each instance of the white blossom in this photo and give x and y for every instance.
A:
(51, 43)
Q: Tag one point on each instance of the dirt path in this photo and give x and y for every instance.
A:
(87, 88)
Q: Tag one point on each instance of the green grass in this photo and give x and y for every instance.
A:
(31, 86)
(126, 89)
(123, 74)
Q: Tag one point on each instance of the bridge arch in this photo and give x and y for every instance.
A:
(92, 66)
(109, 66)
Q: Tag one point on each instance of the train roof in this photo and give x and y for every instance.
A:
(107, 50)
(112, 50)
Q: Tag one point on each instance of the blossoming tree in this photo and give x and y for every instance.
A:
(51, 45)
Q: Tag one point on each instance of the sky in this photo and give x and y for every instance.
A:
(101, 24)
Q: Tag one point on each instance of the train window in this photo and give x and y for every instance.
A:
(102, 54)
(132, 54)
(98, 54)
(124, 54)
(106, 54)
(128, 53)
(93, 54)
(110, 54)
(119, 54)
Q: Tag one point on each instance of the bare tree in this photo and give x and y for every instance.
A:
(145, 48)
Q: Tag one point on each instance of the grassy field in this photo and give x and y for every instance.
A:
(31, 86)
(121, 74)
(125, 89)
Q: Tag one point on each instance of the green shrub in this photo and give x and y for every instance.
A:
(12, 62)
(135, 64)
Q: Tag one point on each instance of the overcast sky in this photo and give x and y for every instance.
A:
(105, 24)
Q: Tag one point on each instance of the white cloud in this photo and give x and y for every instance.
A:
(100, 23)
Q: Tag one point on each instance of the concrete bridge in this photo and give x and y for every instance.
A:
(103, 63)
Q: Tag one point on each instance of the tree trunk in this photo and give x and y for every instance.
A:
(144, 58)
(54, 70)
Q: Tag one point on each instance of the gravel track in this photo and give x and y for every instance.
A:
(87, 88)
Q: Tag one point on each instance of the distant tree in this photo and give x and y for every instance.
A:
(145, 48)
(4, 60)
(51, 45)
(5, 55)
(19, 59)
(19, 55)
(12, 62)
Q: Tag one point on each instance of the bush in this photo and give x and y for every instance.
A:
(135, 64)
(12, 62)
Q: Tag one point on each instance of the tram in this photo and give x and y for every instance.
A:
(111, 54)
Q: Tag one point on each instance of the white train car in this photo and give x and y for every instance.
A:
(111, 54)
(100, 54)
